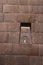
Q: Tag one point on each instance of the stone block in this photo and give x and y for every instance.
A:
(17, 60)
(2, 60)
(10, 17)
(26, 17)
(25, 9)
(4, 1)
(22, 49)
(3, 27)
(40, 25)
(40, 18)
(35, 50)
(1, 1)
(13, 2)
(36, 2)
(14, 37)
(41, 38)
(12, 27)
(1, 17)
(35, 38)
(42, 60)
(41, 49)
(35, 9)
(11, 8)
(36, 27)
(4, 37)
(5, 48)
(1, 8)
(35, 60)
(23, 2)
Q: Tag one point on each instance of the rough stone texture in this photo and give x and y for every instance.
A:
(10, 17)
(1, 17)
(40, 18)
(2, 60)
(42, 60)
(36, 38)
(12, 14)
(41, 36)
(14, 37)
(11, 8)
(37, 9)
(35, 60)
(37, 2)
(15, 60)
(3, 37)
(41, 49)
(13, 27)
(35, 50)
(5, 48)
(25, 9)
(3, 27)
(1, 8)
(14, 2)
(22, 49)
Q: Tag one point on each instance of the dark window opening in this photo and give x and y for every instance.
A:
(25, 28)
(25, 24)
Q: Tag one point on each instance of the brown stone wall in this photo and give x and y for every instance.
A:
(12, 13)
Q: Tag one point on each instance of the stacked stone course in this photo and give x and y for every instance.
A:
(12, 14)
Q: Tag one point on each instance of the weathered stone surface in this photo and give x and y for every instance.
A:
(27, 17)
(22, 49)
(41, 38)
(41, 49)
(35, 27)
(1, 1)
(35, 50)
(1, 17)
(5, 48)
(2, 60)
(4, 1)
(11, 8)
(40, 18)
(20, 60)
(37, 2)
(13, 27)
(12, 13)
(3, 37)
(13, 2)
(1, 8)
(23, 17)
(17, 60)
(42, 60)
(19, 17)
(14, 37)
(36, 38)
(40, 27)
(35, 60)
(23, 2)
(10, 17)
(25, 9)
(3, 27)
(37, 9)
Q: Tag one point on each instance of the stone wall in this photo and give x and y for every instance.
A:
(12, 14)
